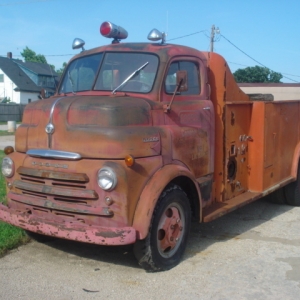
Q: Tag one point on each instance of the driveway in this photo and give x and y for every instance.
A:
(251, 253)
(7, 140)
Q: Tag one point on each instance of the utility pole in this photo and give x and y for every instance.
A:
(214, 30)
(212, 36)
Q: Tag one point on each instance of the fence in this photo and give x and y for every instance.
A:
(11, 112)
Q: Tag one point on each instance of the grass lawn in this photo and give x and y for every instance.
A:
(10, 236)
(5, 132)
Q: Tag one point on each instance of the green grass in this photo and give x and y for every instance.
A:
(10, 236)
(5, 132)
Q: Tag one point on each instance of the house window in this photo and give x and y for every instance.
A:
(46, 81)
(1, 77)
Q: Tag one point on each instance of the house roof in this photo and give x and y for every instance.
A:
(38, 68)
(271, 84)
(12, 68)
(15, 73)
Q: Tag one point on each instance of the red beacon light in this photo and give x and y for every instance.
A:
(110, 30)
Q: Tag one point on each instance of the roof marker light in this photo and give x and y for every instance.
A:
(155, 35)
(78, 43)
(110, 30)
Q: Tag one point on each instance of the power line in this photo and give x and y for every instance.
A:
(217, 31)
(23, 2)
(253, 58)
(180, 37)
(44, 55)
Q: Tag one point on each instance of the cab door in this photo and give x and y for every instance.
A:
(191, 116)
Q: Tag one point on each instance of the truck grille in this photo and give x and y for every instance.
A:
(54, 190)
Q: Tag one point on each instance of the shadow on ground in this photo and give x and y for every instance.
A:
(202, 235)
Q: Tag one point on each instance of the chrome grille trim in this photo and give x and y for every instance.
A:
(53, 154)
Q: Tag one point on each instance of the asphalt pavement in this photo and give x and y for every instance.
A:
(251, 253)
(6, 140)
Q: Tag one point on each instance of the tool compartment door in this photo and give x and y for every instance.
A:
(237, 124)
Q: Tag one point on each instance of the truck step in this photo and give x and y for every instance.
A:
(219, 209)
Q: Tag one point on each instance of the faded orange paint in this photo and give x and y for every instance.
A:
(221, 148)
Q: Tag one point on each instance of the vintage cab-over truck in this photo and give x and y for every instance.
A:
(141, 138)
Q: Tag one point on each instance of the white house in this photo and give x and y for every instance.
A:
(22, 82)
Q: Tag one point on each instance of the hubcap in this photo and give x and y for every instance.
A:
(170, 230)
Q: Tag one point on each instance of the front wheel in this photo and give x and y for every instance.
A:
(167, 238)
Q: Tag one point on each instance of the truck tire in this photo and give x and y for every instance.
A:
(166, 241)
(292, 191)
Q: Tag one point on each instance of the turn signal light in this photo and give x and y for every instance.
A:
(129, 160)
(9, 150)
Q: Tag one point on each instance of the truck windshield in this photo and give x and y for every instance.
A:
(83, 75)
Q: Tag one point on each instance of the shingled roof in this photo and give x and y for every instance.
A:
(38, 68)
(13, 69)
(15, 73)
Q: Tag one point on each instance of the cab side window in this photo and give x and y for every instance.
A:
(193, 77)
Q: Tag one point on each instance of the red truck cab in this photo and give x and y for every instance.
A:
(130, 149)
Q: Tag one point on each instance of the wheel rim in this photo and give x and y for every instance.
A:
(170, 230)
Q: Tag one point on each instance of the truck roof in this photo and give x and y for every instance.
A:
(164, 51)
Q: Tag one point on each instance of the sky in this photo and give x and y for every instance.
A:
(256, 32)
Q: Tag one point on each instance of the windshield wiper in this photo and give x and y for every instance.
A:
(71, 81)
(130, 77)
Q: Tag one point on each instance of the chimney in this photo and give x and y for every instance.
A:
(9, 55)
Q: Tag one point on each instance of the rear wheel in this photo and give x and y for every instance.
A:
(292, 191)
(166, 241)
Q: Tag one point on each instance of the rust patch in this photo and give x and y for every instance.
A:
(111, 234)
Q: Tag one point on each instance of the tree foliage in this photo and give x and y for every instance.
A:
(256, 74)
(61, 70)
(30, 55)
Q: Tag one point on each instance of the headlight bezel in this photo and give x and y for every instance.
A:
(7, 164)
(108, 174)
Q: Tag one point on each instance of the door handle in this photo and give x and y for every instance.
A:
(206, 108)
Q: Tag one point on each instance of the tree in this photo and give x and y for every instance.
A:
(30, 55)
(61, 70)
(256, 74)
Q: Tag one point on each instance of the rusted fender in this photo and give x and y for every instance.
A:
(295, 162)
(151, 193)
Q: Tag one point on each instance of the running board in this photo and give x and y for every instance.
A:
(219, 209)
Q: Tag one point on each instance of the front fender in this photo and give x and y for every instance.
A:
(151, 193)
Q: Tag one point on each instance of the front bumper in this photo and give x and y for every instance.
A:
(76, 232)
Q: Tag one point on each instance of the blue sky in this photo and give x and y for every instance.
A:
(266, 30)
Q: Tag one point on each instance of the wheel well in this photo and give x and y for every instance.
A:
(188, 186)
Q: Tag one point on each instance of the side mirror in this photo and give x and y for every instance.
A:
(181, 81)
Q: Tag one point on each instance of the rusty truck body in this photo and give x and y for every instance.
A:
(141, 138)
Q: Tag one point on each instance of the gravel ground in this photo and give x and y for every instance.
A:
(8, 140)
(252, 253)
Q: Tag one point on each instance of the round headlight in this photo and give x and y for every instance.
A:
(8, 167)
(107, 179)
